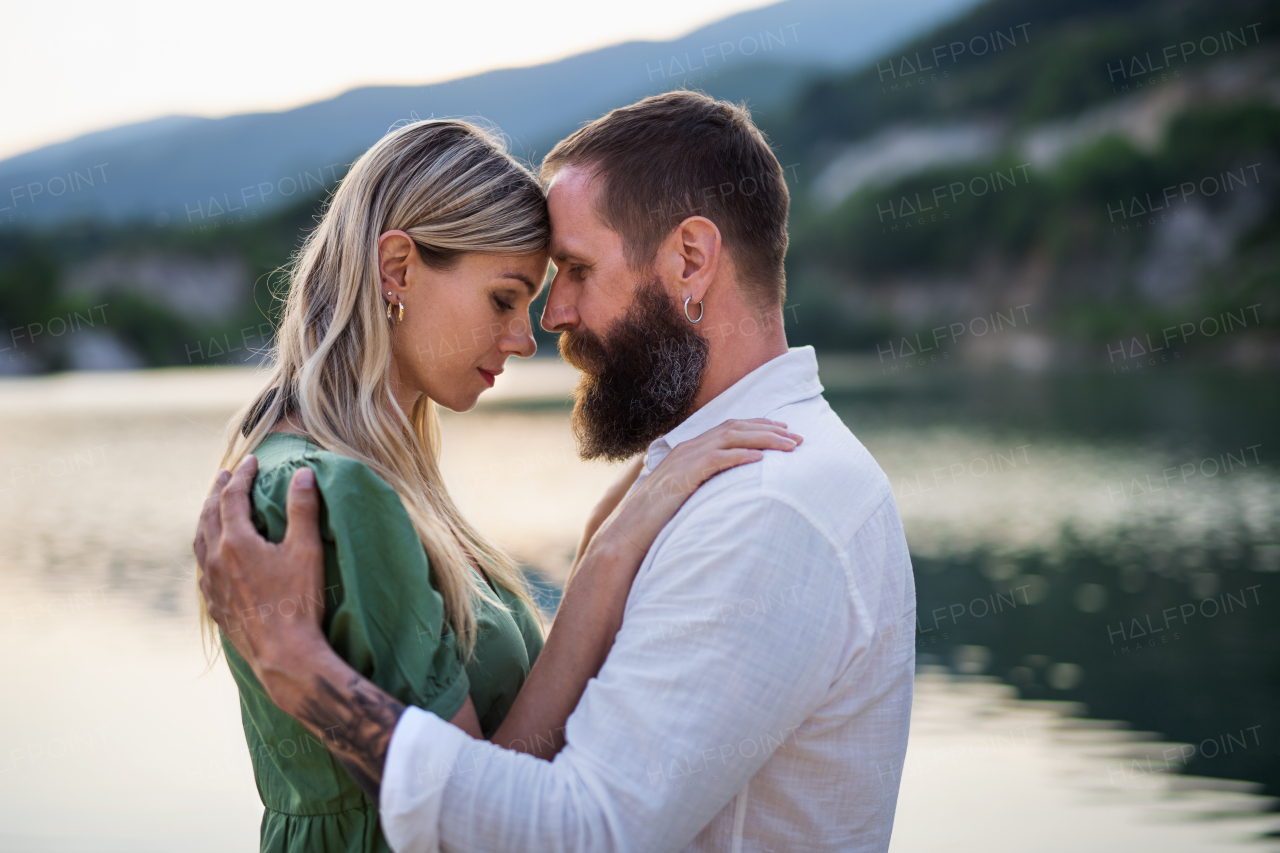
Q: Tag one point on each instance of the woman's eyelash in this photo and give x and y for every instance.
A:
(503, 305)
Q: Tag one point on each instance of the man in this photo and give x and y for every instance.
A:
(758, 693)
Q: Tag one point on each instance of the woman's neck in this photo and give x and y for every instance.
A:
(290, 424)
(406, 396)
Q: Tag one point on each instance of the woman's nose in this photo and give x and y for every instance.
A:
(518, 340)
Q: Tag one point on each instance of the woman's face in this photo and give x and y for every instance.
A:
(459, 325)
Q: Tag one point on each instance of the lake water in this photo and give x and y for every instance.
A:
(1110, 540)
(1055, 523)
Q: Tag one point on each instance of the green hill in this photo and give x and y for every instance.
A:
(1130, 99)
(1105, 169)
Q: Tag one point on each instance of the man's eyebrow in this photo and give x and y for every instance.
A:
(563, 252)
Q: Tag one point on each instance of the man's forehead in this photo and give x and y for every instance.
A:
(573, 180)
(568, 242)
(575, 225)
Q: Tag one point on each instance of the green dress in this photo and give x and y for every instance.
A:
(382, 616)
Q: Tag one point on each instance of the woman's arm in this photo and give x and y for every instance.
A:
(612, 497)
(243, 577)
(591, 610)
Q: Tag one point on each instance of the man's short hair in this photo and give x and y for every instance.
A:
(681, 154)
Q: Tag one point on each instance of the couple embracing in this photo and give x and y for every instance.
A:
(730, 667)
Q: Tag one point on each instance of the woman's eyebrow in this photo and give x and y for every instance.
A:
(528, 282)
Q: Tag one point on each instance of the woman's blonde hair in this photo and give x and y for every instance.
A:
(454, 189)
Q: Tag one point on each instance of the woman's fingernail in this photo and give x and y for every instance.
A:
(306, 479)
(224, 477)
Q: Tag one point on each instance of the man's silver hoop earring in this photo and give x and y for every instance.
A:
(687, 300)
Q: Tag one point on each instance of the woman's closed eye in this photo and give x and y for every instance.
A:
(502, 304)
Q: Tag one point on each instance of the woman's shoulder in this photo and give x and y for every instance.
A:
(342, 480)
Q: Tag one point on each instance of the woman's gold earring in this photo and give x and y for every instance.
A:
(395, 312)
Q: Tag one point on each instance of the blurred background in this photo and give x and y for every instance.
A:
(1037, 248)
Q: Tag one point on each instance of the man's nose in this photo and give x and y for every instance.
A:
(560, 313)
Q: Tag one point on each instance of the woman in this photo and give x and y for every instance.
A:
(412, 291)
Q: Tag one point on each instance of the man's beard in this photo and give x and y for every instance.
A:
(639, 381)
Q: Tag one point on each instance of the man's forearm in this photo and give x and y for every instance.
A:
(352, 715)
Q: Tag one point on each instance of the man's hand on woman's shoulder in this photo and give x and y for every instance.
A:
(267, 598)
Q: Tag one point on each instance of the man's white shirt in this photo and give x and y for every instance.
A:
(758, 694)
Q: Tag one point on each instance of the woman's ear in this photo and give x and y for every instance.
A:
(395, 253)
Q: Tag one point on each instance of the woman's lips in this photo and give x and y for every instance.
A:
(488, 377)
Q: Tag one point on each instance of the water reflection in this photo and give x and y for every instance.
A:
(1038, 561)
(1101, 540)
(116, 737)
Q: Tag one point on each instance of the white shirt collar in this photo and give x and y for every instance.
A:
(789, 378)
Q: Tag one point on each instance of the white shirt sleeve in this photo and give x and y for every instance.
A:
(733, 634)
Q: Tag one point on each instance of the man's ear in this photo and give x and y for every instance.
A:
(395, 252)
(696, 245)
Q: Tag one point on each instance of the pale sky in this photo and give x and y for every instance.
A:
(70, 66)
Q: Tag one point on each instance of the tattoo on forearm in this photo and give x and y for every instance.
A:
(356, 722)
